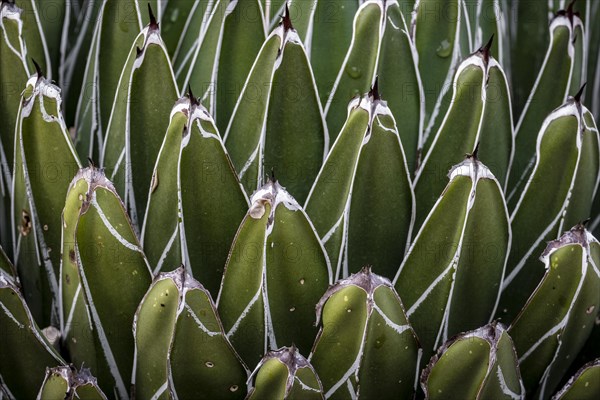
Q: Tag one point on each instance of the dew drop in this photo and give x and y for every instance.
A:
(444, 49)
(302, 281)
(209, 364)
(354, 72)
(174, 15)
(80, 197)
(233, 388)
(45, 227)
(292, 309)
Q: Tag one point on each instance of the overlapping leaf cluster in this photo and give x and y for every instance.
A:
(307, 199)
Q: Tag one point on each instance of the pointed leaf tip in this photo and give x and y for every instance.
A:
(193, 99)
(473, 155)
(578, 95)
(287, 21)
(374, 92)
(153, 23)
(485, 50)
(38, 70)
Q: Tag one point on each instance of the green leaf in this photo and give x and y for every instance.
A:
(6, 267)
(365, 343)
(479, 113)
(189, 39)
(364, 183)
(560, 152)
(437, 36)
(45, 163)
(114, 275)
(225, 55)
(549, 91)
(458, 258)
(529, 37)
(50, 15)
(559, 316)
(584, 385)
(276, 247)
(285, 374)
(140, 115)
(196, 201)
(118, 24)
(325, 28)
(492, 19)
(76, 324)
(80, 30)
(587, 176)
(67, 383)
(34, 37)
(358, 70)
(578, 75)
(24, 351)
(13, 75)
(592, 55)
(174, 21)
(278, 121)
(479, 364)
(181, 348)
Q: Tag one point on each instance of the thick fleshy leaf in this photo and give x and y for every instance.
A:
(45, 163)
(24, 351)
(274, 277)
(492, 19)
(13, 75)
(50, 15)
(285, 374)
(139, 120)
(362, 203)
(458, 258)
(181, 348)
(224, 56)
(196, 202)
(578, 75)
(34, 35)
(587, 178)
(114, 276)
(529, 36)
(559, 316)
(174, 20)
(437, 37)
(381, 46)
(358, 70)
(479, 115)
(67, 383)
(189, 39)
(79, 28)
(6, 267)
(549, 91)
(278, 121)
(480, 364)
(365, 344)
(325, 28)
(558, 176)
(593, 56)
(75, 320)
(584, 385)
(118, 24)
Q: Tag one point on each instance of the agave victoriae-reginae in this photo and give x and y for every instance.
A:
(302, 199)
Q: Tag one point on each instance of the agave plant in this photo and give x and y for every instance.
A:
(303, 199)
